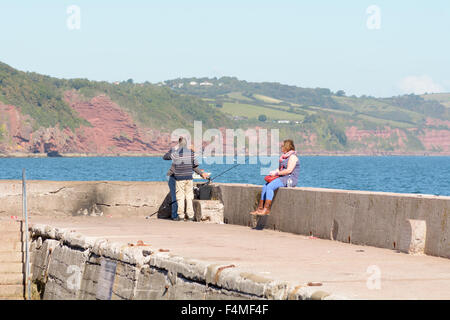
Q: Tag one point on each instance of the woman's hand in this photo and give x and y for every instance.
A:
(273, 173)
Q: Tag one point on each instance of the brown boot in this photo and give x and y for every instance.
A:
(259, 209)
(266, 210)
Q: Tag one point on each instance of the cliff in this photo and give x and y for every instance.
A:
(41, 115)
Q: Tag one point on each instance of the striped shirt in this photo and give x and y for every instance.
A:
(172, 168)
(183, 163)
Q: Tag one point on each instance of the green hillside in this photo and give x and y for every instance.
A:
(442, 98)
(41, 97)
(407, 110)
(299, 113)
(317, 110)
(38, 96)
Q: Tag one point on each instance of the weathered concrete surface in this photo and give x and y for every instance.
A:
(276, 264)
(74, 198)
(75, 271)
(11, 259)
(367, 218)
(410, 223)
(209, 211)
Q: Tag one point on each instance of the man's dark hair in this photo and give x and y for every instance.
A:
(182, 142)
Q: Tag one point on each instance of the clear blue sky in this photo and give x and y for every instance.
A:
(304, 43)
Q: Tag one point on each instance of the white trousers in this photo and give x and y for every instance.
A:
(185, 190)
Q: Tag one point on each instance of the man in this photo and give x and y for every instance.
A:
(180, 179)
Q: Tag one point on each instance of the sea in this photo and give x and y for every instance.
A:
(399, 174)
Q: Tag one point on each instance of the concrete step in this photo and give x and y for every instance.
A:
(11, 278)
(11, 290)
(19, 297)
(13, 246)
(12, 236)
(11, 256)
(210, 211)
(11, 267)
(11, 226)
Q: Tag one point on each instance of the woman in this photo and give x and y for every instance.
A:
(287, 173)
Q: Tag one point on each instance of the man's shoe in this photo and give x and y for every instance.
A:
(259, 209)
(190, 219)
(266, 210)
(176, 219)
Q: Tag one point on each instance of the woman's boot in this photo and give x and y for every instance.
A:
(266, 210)
(259, 209)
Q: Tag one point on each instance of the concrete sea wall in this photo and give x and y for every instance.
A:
(76, 198)
(67, 265)
(407, 222)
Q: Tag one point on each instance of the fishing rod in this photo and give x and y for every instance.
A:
(204, 185)
(209, 180)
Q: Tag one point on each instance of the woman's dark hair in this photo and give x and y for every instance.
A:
(288, 145)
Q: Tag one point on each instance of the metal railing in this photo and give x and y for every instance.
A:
(27, 250)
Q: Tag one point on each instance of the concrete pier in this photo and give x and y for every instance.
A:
(316, 244)
(346, 271)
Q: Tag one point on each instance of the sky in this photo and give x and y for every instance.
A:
(378, 48)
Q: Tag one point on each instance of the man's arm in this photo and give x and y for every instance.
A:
(198, 171)
(194, 160)
(168, 155)
(195, 167)
(204, 175)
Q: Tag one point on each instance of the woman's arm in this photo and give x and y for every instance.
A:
(291, 166)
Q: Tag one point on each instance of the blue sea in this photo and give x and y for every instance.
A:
(424, 175)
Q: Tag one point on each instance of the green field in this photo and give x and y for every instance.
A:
(252, 112)
(239, 96)
(266, 99)
(383, 111)
(443, 98)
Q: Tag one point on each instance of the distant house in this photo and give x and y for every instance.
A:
(284, 121)
(116, 83)
(193, 83)
(206, 84)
